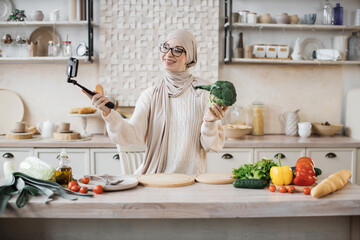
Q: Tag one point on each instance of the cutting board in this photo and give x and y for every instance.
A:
(298, 188)
(66, 136)
(215, 178)
(19, 136)
(165, 180)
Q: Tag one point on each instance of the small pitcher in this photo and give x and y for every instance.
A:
(46, 128)
(290, 119)
(304, 129)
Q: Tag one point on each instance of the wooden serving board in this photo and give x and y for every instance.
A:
(19, 136)
(165, 180)
(298, 188)
(215, 178)
(66, 136)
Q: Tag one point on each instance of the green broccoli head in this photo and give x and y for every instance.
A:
(221, 93)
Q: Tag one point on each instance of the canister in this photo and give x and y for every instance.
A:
(243, 16)
(259, 50)
(283, 51)
(251, 17)
(271, 51)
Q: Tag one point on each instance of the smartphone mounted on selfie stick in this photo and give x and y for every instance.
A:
(71, 71)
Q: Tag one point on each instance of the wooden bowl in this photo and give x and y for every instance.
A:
(326, 130)
(236, 131)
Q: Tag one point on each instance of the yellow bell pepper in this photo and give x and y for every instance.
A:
(281, 175)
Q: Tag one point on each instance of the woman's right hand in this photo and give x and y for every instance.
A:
(99, 101)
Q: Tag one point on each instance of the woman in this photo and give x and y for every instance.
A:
(172, 118)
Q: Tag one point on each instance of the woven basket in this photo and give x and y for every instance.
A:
(326, 130)
(237, 132)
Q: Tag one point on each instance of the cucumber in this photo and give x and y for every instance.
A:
(317, 171)
(250, 183)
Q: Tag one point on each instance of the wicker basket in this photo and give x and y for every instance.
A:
(326, 130)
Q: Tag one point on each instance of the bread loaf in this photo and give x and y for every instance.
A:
(331, 184)
(87, 110)
(99, 89)
(74, 110)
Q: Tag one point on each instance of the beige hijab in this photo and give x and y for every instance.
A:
(172, 85)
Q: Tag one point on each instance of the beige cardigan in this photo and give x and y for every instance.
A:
(189, 139)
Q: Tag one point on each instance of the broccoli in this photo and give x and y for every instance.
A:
(222, 93)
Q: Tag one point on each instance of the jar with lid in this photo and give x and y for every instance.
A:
(63, 172)
(67, 48)
(237, 115)
(258, 118)
(51, 48)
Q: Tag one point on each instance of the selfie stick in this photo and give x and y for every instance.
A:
(69, 80)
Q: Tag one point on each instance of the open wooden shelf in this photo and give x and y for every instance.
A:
(84, 59)
(290, 62)
(45, 23)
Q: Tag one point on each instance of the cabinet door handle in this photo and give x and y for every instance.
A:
(8, 155)
(282, 155)
(227, 156)
(330, 155)
(116, 156)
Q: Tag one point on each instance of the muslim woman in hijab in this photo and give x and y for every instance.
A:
(172, 118)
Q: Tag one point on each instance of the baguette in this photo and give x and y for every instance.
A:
(87, 110)
(331, 184)
(99, 89)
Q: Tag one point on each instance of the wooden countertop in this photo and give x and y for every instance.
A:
(194, 201)
(249, 141)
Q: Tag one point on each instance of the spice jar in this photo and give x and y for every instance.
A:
(63, 171)
(258, 118)
(67, 49)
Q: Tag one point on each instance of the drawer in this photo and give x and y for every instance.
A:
(331, 160)
(289, 155)
(105, 161)
(16, 154)
(228, 159)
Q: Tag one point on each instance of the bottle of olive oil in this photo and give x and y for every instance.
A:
(63, 170)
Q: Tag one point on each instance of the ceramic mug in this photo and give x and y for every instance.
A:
(304, 129)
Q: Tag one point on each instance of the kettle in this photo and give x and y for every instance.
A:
(46, 128)
(290, 119)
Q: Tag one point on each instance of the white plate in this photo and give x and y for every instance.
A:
(308, 46)
(84, 115)
(11, 110)
(129, 182)
(5, 9)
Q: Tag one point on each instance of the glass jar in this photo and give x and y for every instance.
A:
(258, 118)
(237, 115)
(51, 48)
(67, 48)
(63, 170)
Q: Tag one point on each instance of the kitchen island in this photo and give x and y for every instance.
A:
(198, 211)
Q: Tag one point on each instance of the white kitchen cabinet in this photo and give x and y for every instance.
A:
(79, 158)
(16, 154)
(331, 160)
(105, 161)
(227, 159)
(289, 155)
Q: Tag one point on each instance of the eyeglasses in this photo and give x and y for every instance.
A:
(175, 51)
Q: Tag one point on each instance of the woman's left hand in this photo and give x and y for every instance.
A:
(215, 113)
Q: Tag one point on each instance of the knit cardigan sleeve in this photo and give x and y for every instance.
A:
(130, 131)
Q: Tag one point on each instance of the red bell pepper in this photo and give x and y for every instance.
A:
(305, 173)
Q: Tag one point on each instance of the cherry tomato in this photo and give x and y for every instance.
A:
(84, 190)
(291, 189)
(272, 188)
(71, 184)
(75, 188)
(282, 189)
(85, 180)
(307, 191)
(98, 189)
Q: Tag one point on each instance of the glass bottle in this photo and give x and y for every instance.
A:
(338, 15)
(51, 48)
(258, 118)
(63, 170)
(354, 47)
(240, 46)
(327, 13)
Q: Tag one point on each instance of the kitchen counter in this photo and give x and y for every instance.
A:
(273, 141)
(213, 207)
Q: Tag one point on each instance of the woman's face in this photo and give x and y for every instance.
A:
(171, 62)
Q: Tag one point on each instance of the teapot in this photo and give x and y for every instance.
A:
(290, 119)
(46, 128)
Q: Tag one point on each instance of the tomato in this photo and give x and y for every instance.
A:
(85, 180)
(75, 188)
(282, 189)
(291, 189)
(307, 191)
(98, 189)
(272, 188)
(71, 184)
(84, 189)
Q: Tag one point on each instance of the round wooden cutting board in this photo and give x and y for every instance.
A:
(215, 178)
(165, 180)
(66, 136)
(19, 136)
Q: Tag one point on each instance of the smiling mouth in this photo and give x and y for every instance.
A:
(169, 61)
